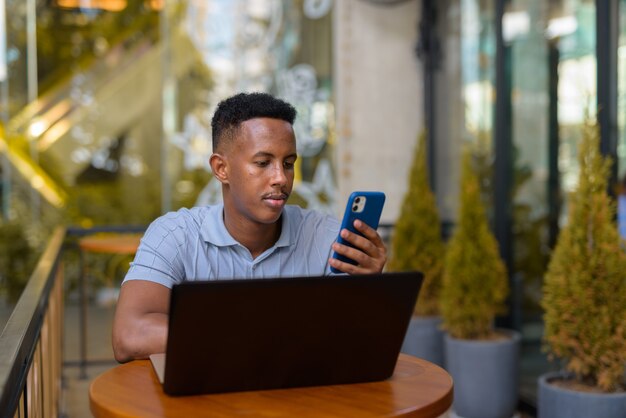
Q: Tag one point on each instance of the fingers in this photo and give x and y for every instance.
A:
(369, 251)
(346, 267)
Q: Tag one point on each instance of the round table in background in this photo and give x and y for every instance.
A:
(106, 243)
(110, 243)
(417, 388)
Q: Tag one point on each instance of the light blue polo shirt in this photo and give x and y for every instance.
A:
(194, 244)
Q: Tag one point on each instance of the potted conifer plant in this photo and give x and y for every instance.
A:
(584, 300)
(417, 246)
(483, 360)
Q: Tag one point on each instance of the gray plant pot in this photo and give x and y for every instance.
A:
(424, 339)
(485, 374)
(556, 402)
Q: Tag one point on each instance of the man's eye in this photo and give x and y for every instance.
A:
(288, 165)
(262, 163)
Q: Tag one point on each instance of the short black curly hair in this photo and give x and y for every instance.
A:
(235, 110)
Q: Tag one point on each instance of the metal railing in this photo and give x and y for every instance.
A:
(31, 342)
(31, 348)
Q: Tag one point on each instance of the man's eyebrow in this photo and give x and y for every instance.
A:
(263, 154)
(270, 155)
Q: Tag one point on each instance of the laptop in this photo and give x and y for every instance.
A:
(257, 334)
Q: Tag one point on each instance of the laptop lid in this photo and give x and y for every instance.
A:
(254, 334)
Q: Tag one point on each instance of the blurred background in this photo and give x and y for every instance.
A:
(105, 109)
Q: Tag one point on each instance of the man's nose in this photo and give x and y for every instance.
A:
(279, 176)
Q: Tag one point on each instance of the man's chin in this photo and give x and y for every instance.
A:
(270, 215)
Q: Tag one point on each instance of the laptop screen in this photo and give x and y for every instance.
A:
(236, 335)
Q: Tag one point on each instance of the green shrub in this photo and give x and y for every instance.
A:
(475, 283)
(416, 243)
(585, 287)
(17, 259)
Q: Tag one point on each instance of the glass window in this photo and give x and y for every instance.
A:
(465, 88)
(553, 92)
(621, 93)
(550, 59)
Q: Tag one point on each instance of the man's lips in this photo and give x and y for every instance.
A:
(276, 199)
(275, 196)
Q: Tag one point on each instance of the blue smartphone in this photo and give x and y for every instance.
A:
(366, 206)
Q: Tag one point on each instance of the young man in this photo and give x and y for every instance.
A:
(252, 234)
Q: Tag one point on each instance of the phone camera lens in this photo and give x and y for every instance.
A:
(355, 208)
(357, 200)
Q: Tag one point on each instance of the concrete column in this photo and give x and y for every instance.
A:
(379, 98)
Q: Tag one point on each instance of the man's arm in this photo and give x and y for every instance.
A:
(140, 323)
(370, 252)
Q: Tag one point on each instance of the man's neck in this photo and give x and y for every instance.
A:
(256, 237)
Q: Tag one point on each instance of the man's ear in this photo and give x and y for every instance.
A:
(219, 166)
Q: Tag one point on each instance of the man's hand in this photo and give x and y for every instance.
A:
(140, 323)
(369, 253)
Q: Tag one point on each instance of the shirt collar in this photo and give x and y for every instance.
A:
(214, 230)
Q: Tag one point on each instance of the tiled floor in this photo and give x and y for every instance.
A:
(75, 403)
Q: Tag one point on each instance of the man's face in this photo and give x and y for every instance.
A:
(260, 168)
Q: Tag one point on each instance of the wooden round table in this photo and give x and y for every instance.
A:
(110, 243)
(417, 388)
(106, 243)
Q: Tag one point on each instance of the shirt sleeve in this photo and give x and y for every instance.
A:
(158, 257)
